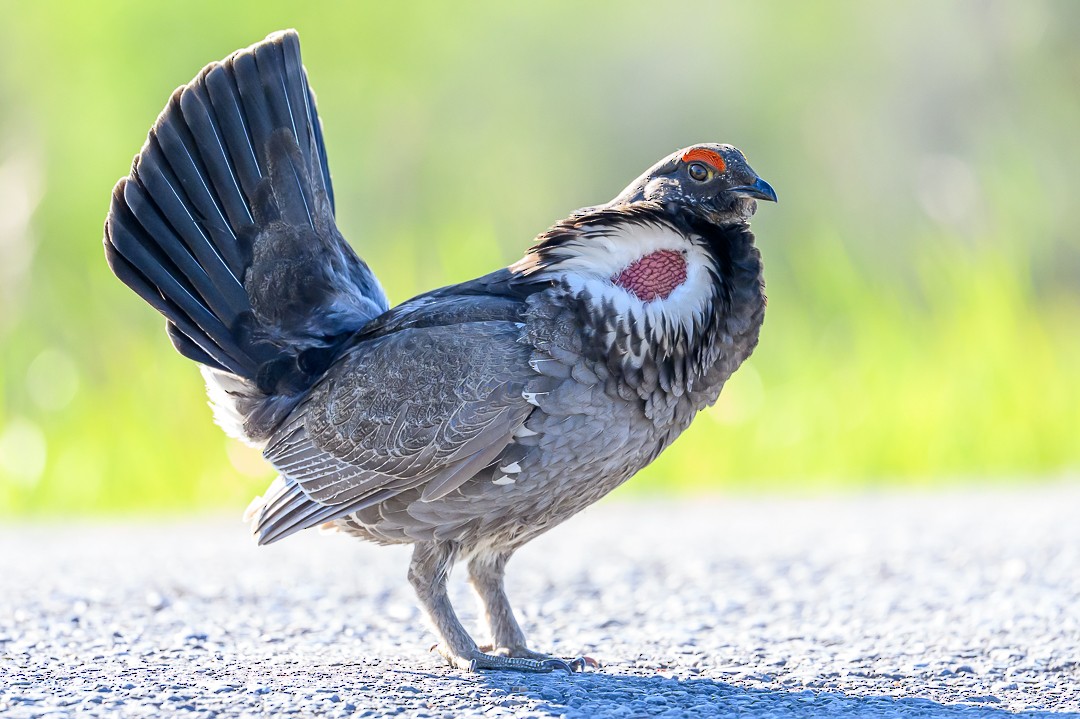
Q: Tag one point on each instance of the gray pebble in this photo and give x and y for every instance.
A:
(942, 605)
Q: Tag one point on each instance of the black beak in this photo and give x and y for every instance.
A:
(760, 190)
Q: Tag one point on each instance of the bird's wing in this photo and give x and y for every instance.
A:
(226, 224)
(423, 407)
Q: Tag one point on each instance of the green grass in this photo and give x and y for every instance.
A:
(923, 263)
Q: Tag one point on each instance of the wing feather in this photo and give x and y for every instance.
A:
(424, 408)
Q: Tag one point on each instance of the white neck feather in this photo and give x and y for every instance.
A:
(602, 252)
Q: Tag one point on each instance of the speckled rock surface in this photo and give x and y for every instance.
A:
(964, 603)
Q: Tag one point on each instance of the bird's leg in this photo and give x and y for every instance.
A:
(486, 573)
(428, 572)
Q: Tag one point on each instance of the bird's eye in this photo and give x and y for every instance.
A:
(698, 171)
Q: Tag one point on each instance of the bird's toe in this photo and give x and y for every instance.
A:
(499, 660)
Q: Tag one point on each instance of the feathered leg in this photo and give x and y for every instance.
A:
(428, 572)
(486, 577)
(486, 572)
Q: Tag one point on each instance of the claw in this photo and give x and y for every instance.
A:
(553, 664)
(579, 664)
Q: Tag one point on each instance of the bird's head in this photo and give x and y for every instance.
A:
(711, 180)
(669, 247)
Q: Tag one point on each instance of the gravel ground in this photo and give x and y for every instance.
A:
(893, 605)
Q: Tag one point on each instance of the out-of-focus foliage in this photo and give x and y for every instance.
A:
(923, 263)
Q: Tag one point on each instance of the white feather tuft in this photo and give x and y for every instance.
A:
(530, 397)
(225, 392)
(601, 253)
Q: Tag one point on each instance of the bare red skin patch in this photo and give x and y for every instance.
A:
(654, 276)
(709, 157)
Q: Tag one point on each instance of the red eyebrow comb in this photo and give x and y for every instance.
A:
(709, 157)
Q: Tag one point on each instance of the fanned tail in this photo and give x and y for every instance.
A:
(226, 226)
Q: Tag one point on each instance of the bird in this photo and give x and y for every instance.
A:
(467, 420)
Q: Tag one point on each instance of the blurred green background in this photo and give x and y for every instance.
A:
(923, 264)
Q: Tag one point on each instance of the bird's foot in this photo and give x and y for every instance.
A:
(576, 664)
(522, 660)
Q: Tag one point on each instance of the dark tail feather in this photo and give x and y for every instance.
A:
(235, 170)
(147, 269)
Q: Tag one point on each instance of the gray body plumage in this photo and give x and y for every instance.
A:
(467, 420)
(590, 422)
